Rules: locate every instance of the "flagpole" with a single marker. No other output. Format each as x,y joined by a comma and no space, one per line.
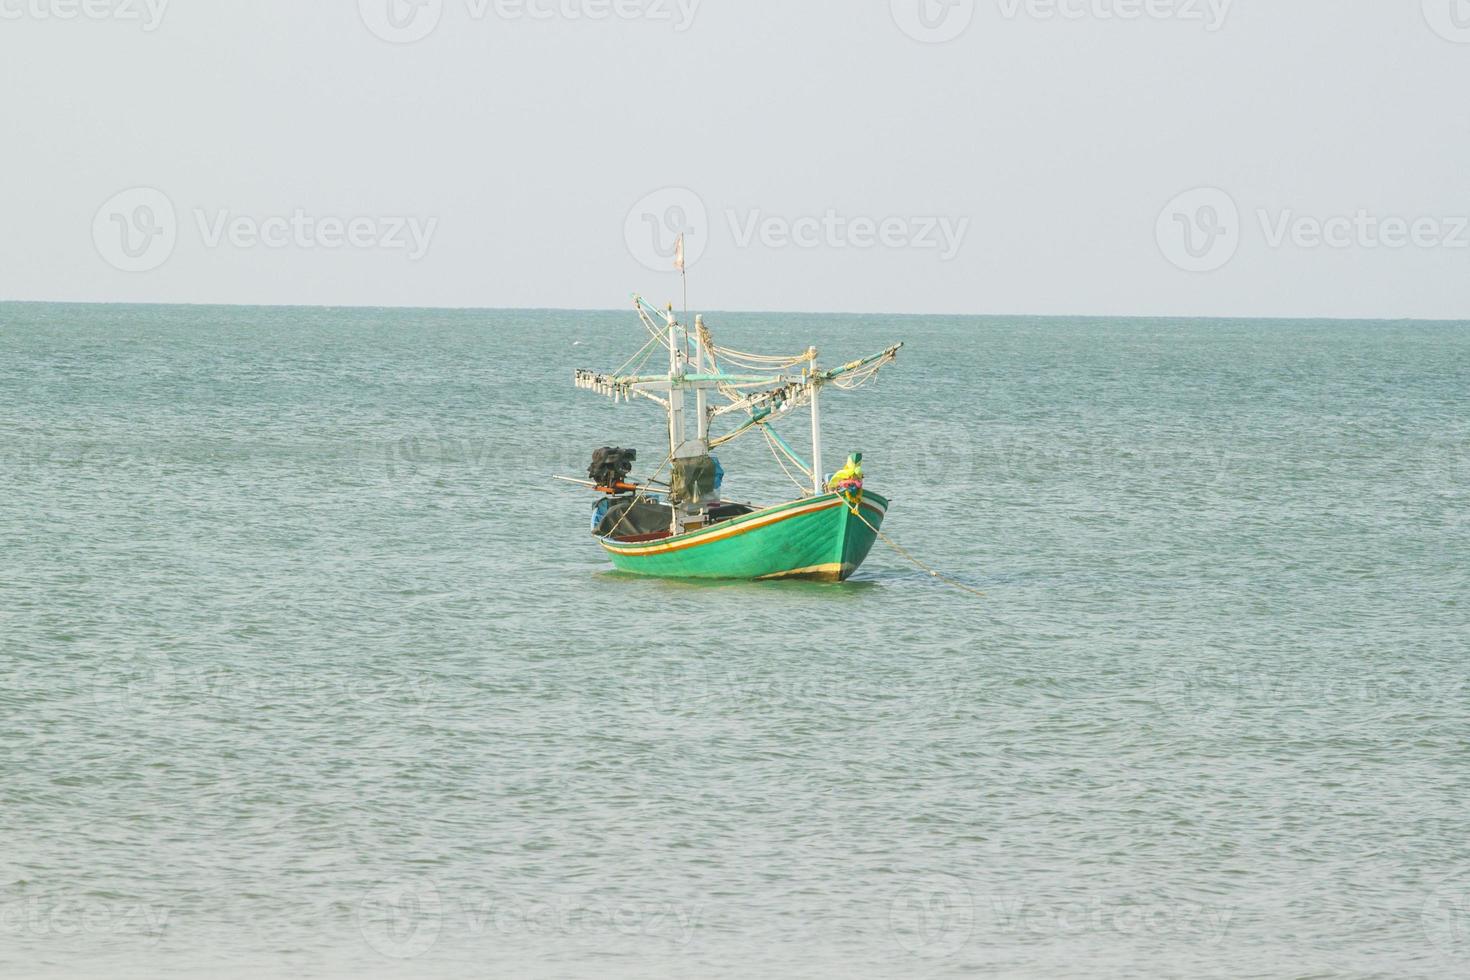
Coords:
683,273
684,279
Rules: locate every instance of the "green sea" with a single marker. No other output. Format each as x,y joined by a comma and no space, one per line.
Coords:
309,668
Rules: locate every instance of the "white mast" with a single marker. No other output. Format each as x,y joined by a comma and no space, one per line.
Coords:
676,391
817,477
678,361
784,390
701,397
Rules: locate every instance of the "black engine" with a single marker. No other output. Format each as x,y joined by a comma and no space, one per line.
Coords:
611,466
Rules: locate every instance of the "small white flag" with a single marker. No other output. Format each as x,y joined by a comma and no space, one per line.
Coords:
679,254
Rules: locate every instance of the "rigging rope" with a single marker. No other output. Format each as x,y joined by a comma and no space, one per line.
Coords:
744,359
760,361
781,462
645,352
858,377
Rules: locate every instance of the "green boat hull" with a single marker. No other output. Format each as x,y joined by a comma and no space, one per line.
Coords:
816,538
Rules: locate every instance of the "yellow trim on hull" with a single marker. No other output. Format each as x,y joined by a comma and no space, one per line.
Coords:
720,532
830,572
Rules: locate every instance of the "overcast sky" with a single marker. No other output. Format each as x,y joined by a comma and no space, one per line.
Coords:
1210,157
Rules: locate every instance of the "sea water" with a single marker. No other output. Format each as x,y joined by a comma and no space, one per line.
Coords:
308,667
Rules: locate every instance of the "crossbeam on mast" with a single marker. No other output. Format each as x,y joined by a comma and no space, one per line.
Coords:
609,383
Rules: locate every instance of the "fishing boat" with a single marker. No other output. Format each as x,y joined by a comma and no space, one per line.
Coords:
681,527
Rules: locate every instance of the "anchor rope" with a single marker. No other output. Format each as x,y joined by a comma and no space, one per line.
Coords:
898,548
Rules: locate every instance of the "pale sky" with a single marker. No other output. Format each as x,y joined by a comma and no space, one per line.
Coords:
1151,157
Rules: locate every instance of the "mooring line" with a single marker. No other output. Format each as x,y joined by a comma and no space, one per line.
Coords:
898,548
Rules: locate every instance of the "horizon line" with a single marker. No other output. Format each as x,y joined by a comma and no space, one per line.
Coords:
853,313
